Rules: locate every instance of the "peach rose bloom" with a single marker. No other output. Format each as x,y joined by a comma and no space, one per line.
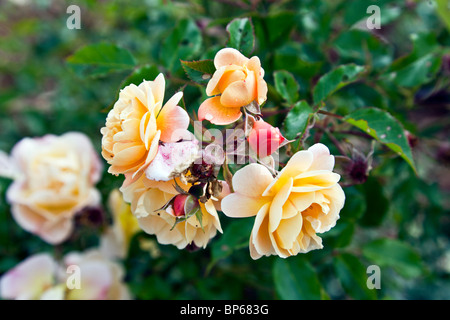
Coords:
100,278
30,279
237,82
302,200
136,124
147,197
55,178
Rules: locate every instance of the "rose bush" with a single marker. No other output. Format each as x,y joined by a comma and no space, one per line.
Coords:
260,150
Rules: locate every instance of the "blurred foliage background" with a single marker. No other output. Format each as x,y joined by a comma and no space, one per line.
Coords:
393,217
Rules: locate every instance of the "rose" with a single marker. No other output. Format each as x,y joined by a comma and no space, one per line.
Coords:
100,278
302,200
148,197
30,279
265,139
136,124
237,82
54,179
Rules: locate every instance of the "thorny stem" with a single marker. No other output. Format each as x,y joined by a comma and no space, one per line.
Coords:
274,111
357,133
335,142
330,114
227,174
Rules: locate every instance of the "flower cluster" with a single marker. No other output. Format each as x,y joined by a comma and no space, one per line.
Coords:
176,183
53,185
80,276
172,182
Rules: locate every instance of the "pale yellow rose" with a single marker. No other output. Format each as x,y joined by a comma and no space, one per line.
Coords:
237,82
115,241
304,199
54,179
81,276
136,124
100,278
30,279
147,197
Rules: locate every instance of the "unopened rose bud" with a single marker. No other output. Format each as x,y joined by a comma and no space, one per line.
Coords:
178,205
265,139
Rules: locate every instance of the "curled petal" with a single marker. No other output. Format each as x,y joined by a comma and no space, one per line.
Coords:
212,110
229,56
322,158
223,77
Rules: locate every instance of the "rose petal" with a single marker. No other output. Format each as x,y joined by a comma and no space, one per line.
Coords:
29,279
212,110
222,77
238,94
158,87
299,163
244,180
322,158
237,205
260,235
173,124
276,207
55,233
288,231
227,56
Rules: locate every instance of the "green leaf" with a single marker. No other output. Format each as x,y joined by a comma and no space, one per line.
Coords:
100,59
341,235
242,35
363,47
146,72
199,71
334,80
419,66
274,28
235,237
443,11
355,207
286,85
353,277
396,254
296,279
417,73
299,59
385,128
297,120
183,43
377,205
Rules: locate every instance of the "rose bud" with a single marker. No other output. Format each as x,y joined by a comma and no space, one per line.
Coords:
178,205
184,205
265,139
